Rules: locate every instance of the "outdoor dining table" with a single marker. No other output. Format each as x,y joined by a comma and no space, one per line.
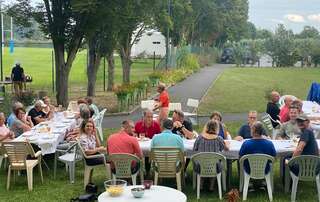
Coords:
283,148
312,110
48,139
154,194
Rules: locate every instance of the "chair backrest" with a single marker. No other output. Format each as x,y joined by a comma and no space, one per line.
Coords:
308,166
73,106
174,106
266,120
257,164
147,104
166,160
17,153
209,163
123,163
193,103
75,150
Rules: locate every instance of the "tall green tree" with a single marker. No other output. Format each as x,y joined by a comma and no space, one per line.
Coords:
65,27
308,32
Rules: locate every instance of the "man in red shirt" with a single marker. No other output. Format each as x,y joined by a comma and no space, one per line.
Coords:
123,141
147,127
163,104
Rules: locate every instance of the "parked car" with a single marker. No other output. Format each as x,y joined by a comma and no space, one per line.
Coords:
227,56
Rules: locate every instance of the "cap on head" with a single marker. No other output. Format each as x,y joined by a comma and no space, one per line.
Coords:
302,117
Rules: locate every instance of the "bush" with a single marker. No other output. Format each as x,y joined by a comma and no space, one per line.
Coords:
5,106
27,98
124,90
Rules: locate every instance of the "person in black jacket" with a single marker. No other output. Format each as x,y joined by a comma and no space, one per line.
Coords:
273,109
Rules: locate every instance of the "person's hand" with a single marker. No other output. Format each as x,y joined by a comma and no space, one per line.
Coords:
227,143
11,135
29,118
101,149
238,138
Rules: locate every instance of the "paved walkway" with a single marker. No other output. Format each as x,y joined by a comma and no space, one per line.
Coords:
195,86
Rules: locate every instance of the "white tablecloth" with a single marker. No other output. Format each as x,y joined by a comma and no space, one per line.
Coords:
282,147
49,141
155,194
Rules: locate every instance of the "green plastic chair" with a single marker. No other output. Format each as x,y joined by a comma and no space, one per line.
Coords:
168,162
208,162
123,163
257,164
307,172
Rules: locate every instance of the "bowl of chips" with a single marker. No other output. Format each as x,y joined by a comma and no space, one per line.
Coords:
115,187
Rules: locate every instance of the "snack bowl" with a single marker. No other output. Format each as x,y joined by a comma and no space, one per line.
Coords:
137,192
115,187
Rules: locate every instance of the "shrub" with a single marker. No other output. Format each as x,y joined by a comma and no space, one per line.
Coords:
5,106
27,98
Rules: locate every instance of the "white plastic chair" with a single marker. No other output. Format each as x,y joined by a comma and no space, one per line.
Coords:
257,164
88,169
174,106
147,104
208,162
98,120
17,154
69,157
194,103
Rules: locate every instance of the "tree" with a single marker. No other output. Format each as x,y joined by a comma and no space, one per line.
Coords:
64,26
135,17
251,32
308,32
263,34
281,47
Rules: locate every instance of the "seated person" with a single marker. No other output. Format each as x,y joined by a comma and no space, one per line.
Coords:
124,142
21,123
273,108
167,138
12,116
93,108
147,127
49,108
284,111
209,141
84,114
257,145
307,144
36,113
5,133
223,132
298,104
181,126
290,129
90,143
245,130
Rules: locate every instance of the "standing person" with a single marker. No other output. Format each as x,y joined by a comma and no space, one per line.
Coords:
17,78
163,104
147,127
273,109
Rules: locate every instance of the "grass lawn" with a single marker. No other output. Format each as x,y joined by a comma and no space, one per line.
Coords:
60,189
37,63
242,89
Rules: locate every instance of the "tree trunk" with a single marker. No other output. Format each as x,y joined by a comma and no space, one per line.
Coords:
125,53
62,75
93,66
110,59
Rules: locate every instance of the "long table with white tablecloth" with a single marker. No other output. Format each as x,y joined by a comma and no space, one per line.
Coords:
49,134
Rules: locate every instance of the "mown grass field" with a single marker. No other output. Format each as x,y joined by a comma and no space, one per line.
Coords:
37,62
242,89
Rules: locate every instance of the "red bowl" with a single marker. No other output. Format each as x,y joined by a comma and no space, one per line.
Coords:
147,184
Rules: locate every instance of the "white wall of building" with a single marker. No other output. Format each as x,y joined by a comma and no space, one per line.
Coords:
150,43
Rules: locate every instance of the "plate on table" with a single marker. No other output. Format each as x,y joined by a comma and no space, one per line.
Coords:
27,134
47,137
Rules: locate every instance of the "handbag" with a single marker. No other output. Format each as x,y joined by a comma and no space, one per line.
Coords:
85,198
91,188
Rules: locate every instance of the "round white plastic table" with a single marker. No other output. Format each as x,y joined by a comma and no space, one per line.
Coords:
155,194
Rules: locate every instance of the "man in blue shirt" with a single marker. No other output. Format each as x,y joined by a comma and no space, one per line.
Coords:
167,138
245,130
257,145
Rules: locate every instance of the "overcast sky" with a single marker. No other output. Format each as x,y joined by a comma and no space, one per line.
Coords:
294,14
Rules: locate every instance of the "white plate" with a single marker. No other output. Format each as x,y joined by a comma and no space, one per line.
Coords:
27,134
47,137
60,126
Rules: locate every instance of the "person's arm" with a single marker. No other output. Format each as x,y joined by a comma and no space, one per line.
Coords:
23,125
136,148
299,148
226,132
226,145
187,133
240,134
281,133
39,119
